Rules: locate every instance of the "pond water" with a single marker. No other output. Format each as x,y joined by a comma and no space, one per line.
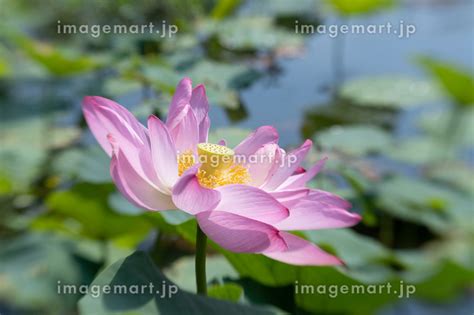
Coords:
305,82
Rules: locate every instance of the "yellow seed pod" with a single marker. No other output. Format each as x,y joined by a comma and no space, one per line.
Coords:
214,157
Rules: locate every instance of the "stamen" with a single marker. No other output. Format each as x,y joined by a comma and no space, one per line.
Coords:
185,161
217,166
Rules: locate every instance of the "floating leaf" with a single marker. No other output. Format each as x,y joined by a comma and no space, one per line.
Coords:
138,270
354,249
182,271
31,266
252,33
86,211
120,86
427,203
354,140
222,81
436,124
418,150
390,92
458,175
89,165
25,144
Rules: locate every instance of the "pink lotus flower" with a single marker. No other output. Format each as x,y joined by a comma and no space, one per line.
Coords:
243,206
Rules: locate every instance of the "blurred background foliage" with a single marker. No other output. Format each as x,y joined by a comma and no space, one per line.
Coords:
395,116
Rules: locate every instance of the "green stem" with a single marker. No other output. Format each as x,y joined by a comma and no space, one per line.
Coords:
201,282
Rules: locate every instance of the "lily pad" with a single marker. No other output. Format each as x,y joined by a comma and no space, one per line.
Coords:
390,91
426,203
252,33
137,270
458,175
88,165
222,81
354,140
182,271
419,150
461,133
32,266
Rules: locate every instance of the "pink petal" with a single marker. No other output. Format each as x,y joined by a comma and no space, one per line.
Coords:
222,142
261,136
199,102
204,130
289,182
288,166
289,198
196,98
135,188
251,202
200,106
313,215
263,163
185,131
300,180
163,152
190,196
240,234
107,117
302,252
328,198
181,98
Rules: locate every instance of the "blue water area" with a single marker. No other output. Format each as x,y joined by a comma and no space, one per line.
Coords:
444,30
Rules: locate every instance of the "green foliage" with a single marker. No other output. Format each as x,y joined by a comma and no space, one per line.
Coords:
26,142
457,83
32,265
355,7
137,270
83,164
224,8
57,62
229,292
4,68
98,221
429,204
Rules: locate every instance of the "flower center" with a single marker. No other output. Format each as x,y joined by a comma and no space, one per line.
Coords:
214,157
217,166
